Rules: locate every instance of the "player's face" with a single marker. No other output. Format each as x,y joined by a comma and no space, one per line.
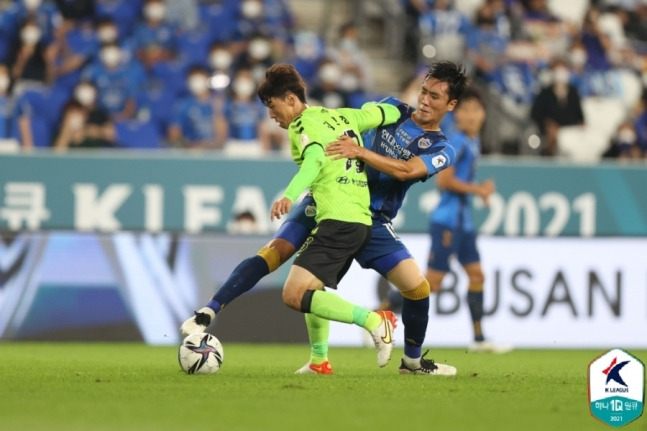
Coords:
433,103
281,110
470,116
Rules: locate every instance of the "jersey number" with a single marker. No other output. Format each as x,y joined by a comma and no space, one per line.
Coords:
359,165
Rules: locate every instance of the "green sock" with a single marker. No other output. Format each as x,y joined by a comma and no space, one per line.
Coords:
318,331
333,307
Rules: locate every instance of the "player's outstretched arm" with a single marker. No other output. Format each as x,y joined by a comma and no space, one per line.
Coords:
447,180
401,170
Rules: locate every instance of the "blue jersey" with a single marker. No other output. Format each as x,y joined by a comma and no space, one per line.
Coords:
195,118
454,211
402,140
7,117
116,86
243,118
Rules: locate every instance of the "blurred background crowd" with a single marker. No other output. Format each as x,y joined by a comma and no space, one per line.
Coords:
562,78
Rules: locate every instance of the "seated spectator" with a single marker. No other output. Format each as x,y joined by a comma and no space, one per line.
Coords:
309,50
244,114
640,124
118,81
596,42
445,28
74,48
558,104
485,46
257,56
624,144
84,123
197,120
354,62
31,61
182,14
154,40
326,91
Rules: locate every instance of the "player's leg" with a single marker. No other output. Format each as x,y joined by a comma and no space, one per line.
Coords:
323,260
470,259
250,271
442,247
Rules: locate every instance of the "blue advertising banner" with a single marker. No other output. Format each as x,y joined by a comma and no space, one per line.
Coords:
200,192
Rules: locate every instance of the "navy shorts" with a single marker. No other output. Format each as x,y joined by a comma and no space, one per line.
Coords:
446,242
385,249
300,222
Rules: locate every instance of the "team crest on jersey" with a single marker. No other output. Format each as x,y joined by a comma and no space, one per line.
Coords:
439,161
424,143
305,140
311,211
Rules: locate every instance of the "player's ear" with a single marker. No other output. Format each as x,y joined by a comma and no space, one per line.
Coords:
451,105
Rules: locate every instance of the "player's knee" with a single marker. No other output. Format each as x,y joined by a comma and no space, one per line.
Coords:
434,282
421,291
271,256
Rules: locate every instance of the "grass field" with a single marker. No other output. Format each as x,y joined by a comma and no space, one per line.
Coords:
136,387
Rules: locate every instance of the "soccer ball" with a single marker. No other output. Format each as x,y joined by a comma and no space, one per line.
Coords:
200,353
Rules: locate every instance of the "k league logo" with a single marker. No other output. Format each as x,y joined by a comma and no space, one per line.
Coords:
616,388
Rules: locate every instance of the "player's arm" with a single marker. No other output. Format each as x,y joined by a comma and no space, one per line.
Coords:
447,180
313,158
372,115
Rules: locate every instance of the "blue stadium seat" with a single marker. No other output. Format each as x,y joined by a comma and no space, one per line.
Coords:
137,134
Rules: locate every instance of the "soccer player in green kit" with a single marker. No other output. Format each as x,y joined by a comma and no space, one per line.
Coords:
340,189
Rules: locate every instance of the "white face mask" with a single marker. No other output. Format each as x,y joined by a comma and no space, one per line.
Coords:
32,4
330,73
220,59
251,9
197,84
85,94
243,87
30,35
110,56
259,49
561,75
4,82
155,11
348,44
349,82
108,34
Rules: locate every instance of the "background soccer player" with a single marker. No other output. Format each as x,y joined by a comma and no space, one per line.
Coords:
452,229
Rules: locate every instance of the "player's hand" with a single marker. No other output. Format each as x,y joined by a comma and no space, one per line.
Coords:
486,189
344,148
279,208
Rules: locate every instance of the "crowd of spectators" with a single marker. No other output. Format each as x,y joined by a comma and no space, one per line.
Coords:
160,73
562,77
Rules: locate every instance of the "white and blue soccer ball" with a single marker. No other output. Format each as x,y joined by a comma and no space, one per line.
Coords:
200,353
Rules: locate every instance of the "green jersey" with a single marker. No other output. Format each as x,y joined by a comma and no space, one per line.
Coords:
340,188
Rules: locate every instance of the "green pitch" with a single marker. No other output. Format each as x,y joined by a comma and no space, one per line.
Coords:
94,387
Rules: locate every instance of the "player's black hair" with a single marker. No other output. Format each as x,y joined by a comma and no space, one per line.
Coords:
452,73
281,79
471,93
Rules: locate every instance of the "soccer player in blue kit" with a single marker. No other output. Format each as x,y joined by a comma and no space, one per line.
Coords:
410,150
452,229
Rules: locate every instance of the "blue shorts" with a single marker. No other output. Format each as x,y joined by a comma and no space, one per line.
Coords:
385,249
383,252
445,242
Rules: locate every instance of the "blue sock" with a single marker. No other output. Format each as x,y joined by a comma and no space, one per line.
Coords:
415,316
475,303
242,278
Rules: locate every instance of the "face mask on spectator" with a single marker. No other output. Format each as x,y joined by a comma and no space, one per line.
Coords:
561,75
85,94
243,87
30,34
197,84
348,44
259,49
108,34
349,82
4,82
110,56
330,73
32,4
220,59
251,9
154,11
